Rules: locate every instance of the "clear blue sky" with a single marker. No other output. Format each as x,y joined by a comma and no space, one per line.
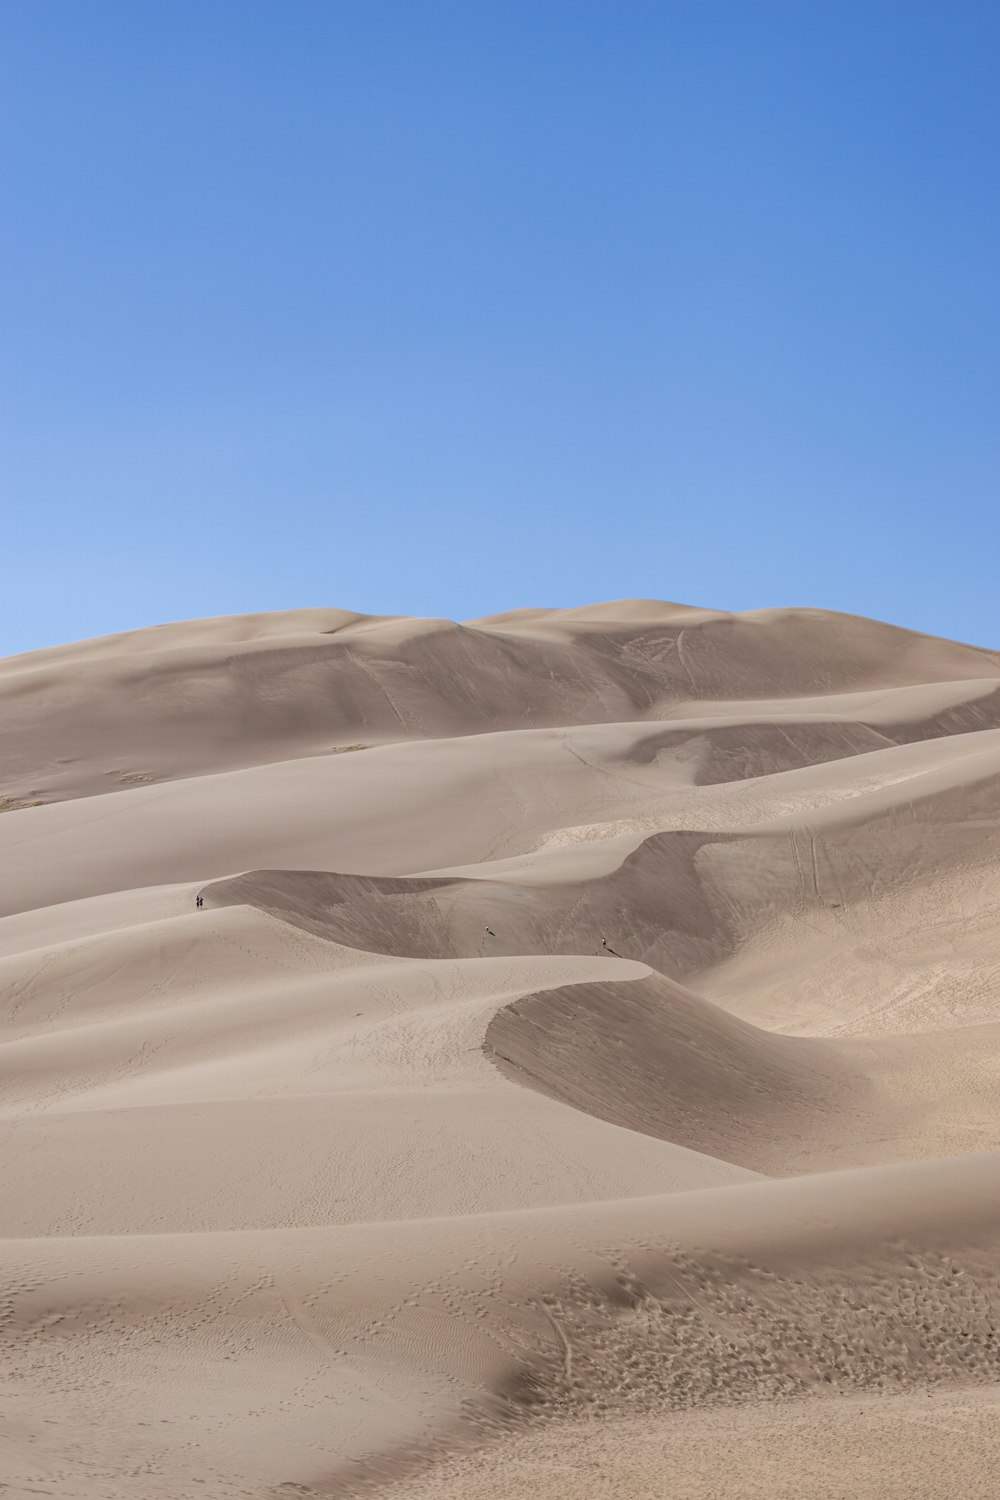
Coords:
448,306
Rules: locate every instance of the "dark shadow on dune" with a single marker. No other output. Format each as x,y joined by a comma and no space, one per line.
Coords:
654,908
679,902
651,1056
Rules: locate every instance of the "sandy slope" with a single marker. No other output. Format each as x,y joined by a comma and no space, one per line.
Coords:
582,1076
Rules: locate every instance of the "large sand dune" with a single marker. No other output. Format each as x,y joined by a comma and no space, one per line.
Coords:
582,1077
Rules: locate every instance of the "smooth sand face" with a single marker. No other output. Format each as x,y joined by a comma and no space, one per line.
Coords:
581,1078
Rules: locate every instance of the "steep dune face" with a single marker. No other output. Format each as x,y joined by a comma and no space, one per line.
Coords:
432,1053
654,1057
682,900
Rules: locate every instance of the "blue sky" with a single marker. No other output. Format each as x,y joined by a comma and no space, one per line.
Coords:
445,308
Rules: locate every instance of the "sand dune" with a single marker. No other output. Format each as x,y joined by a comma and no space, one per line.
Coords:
580,1077
206,695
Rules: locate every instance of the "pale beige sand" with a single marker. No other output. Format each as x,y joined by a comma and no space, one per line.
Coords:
583,1079
895,1448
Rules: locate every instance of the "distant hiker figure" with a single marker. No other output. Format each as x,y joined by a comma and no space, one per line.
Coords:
491,932
608,948
198,901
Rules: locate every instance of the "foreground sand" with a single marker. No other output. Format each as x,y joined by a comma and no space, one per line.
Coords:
583,1077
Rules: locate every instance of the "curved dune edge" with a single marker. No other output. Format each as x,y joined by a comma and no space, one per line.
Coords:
822,1287
679,900
649,1055
654,1057
877,1281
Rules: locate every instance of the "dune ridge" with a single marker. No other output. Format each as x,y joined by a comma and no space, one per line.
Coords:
556,1050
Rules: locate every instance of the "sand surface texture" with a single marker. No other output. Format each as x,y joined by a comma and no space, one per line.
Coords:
581,1080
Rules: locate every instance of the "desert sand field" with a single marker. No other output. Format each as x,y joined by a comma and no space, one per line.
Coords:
556,1055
